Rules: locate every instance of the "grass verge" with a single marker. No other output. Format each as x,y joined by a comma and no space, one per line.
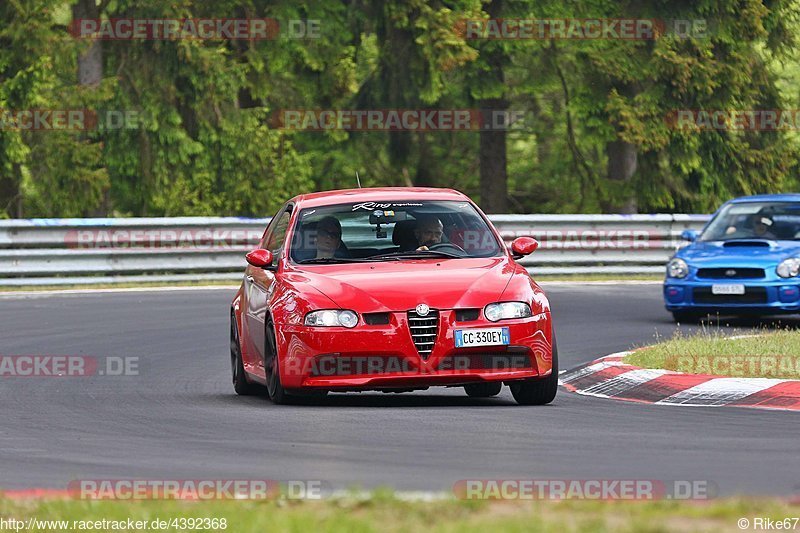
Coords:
769,354
383,512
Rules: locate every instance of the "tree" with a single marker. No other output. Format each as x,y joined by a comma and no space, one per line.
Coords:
597,134
628,89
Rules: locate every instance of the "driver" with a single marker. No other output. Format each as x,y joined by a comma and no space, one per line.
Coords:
758,226
329,238
429,231
762,227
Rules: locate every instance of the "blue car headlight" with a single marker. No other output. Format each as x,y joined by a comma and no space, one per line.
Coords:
789,268
504,310
332,317
677,268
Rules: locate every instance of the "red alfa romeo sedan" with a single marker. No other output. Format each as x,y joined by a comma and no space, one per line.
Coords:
394,290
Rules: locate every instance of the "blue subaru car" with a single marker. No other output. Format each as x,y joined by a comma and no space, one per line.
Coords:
746,261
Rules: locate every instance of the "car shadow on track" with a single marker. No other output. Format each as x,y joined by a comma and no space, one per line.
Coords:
406,400
371,399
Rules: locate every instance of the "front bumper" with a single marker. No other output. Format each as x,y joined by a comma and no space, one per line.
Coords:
761,297
370,357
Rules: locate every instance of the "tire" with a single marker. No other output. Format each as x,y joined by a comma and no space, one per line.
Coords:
239,378
483,390
275,389
538,391
685,317
277,394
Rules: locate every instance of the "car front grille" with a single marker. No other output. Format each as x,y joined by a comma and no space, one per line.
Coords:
731,273
338,365
376,319
752,295
424,330
467,315
482,361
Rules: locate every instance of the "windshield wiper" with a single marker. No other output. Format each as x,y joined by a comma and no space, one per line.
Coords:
417,253
331,260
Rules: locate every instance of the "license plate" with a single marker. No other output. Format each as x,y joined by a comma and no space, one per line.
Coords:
728,289
482,337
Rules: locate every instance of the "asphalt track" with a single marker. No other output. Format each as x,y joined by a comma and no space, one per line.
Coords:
179,418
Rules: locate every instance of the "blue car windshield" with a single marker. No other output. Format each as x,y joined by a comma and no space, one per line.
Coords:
779,221
372,231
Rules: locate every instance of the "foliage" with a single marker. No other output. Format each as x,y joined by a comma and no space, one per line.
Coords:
203,140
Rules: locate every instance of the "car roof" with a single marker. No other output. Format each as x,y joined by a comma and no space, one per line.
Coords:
790,197
377,194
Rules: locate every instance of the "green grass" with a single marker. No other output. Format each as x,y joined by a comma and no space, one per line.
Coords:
385,513
768,354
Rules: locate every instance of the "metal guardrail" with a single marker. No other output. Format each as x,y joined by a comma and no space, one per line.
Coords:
118,250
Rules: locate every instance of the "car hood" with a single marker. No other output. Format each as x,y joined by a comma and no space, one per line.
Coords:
738,253
402,285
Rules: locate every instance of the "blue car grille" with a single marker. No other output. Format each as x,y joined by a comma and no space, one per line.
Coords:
731,273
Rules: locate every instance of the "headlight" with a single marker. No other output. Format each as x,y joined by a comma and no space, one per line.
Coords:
504,310
789,268
332,317
677,268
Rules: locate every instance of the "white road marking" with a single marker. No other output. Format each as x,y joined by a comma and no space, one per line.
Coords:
720,391
589,370
624,382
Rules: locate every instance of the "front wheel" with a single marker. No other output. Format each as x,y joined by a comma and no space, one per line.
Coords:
538,391
275,389
483,390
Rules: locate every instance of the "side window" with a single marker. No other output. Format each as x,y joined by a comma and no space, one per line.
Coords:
278,235
270,228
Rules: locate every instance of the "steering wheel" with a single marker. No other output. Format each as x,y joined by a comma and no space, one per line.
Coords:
445,246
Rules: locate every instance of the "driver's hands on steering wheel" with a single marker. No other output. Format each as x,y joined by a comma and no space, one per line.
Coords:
442,245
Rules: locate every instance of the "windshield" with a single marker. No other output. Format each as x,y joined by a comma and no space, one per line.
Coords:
370,231
756,220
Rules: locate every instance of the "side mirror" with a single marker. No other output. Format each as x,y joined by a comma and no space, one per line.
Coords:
689,235
522,246
260,258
